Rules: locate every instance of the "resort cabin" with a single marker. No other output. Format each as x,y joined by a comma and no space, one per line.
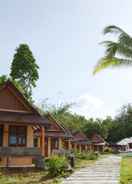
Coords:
81,143
125,145
17,121
98,143
57,138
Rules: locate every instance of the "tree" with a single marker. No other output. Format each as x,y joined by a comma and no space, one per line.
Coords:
92,127
121,126
117,53
3,79
24,69
97,126
62,113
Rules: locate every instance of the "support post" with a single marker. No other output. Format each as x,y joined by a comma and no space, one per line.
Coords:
86,148
49,146
29,136
5,135
60,143
43,141
80,148
69,145
5,140
91,147
75,147
39,145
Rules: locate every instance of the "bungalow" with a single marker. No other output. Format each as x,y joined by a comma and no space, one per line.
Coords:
125,145
80,142
57,137
98,143
17,119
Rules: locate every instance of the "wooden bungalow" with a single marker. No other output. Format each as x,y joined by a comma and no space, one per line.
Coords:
17,121
124,145
98,143
57,137
81,143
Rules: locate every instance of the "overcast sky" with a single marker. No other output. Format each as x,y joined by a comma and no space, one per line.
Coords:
64,37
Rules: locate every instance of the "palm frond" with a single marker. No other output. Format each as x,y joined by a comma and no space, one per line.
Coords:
111,62
124,51
114,48
125,39
113,29
123,36
117,48
123,62
111,48
105,62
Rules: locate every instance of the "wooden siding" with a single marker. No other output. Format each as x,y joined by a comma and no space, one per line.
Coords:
8,101
16,161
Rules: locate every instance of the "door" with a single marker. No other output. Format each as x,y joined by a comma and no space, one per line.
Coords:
46,146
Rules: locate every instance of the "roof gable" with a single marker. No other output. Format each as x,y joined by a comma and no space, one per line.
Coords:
11,99
96,138
80,136
54,125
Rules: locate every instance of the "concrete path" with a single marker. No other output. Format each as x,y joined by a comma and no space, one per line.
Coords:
104,171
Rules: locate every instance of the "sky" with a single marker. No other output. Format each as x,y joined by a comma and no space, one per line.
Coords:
64,36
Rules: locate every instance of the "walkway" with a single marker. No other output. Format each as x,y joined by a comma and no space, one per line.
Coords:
104,171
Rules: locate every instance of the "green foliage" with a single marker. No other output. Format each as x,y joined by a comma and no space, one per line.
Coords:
24,69
71,121
93,126
112,130
87,156
126,171
122,125
3,79
57,165
62,113
117,53
108,150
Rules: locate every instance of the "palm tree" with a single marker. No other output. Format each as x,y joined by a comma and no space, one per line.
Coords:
117,53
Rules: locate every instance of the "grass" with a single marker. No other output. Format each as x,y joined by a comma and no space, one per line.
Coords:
84,162
126,171
38,177
80,163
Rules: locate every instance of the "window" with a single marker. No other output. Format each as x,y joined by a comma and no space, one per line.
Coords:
35,142
55,143
17,135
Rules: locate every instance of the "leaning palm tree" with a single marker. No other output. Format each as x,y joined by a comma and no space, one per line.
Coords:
117,53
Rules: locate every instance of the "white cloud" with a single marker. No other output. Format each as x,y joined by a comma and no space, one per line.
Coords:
87,101
90,106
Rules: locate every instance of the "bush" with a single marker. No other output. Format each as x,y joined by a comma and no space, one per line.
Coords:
57,165
87,156
108,150
115,151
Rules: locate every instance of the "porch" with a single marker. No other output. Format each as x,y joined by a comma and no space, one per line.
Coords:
55,144
17,147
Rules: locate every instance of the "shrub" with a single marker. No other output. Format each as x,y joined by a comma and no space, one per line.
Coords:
87,156
57,165
108,150
93,155
115,151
